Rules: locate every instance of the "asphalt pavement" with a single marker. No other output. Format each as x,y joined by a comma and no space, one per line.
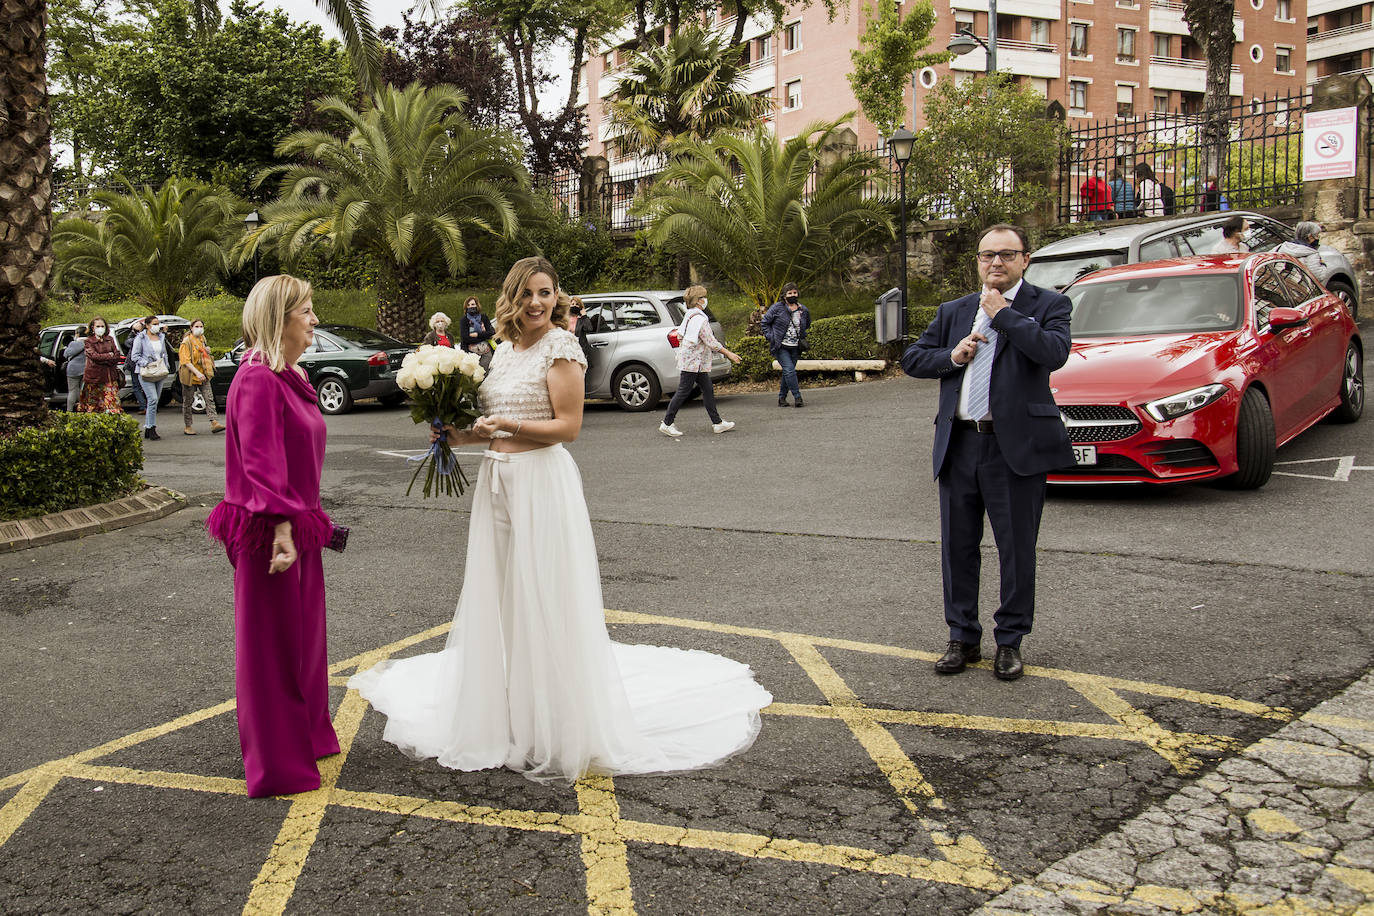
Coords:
1176,629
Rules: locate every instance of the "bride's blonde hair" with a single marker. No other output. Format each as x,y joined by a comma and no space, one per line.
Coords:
508,320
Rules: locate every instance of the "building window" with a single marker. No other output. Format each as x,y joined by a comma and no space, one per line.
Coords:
765,49
793,95
1283,60
1078,39
1161,103
1040,31
791,36
1125,45
1283,9
1125,101
1078,97
1161,45
1041,86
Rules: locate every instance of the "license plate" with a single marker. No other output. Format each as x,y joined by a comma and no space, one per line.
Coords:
1085,454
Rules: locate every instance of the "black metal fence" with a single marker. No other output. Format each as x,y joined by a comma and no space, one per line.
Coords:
1262,166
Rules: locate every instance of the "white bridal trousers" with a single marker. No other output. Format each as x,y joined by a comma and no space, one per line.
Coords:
529,678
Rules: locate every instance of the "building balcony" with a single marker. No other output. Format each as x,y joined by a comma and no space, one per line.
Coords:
605,85
1322,7
1166,16
1187,75
1340,42
761,77
1023,58
1037,9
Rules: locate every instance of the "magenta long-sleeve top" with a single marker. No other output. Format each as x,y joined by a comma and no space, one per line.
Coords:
273,459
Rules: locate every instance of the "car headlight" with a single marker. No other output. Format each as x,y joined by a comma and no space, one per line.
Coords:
1185,402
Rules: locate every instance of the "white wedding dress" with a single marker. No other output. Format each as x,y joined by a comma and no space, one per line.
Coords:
529,678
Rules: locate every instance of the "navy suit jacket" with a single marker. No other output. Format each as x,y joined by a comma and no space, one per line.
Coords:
1032,341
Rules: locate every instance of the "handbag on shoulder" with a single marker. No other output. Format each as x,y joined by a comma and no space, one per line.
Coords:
155,371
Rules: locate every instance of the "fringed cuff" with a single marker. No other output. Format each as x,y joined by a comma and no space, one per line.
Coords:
240,530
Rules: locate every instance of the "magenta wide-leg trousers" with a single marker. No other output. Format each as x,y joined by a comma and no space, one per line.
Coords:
281,673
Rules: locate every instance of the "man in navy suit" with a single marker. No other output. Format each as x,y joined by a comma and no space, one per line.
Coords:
998,433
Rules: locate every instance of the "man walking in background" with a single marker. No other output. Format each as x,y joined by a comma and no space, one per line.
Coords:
998,434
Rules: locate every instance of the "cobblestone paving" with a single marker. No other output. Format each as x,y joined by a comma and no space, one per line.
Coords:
1286,827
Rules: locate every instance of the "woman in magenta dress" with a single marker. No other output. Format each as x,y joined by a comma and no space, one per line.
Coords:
274,530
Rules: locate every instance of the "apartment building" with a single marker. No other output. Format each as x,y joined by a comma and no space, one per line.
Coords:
1340,38
1100,59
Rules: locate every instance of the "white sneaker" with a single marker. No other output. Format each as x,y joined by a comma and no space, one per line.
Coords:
724,426
670,430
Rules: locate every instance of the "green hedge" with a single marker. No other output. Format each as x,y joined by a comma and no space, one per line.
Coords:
841,337
75,460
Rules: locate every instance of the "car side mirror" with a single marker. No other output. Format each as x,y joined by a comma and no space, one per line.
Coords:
1281,319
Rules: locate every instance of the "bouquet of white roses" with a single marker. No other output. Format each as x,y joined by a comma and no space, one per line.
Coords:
442,384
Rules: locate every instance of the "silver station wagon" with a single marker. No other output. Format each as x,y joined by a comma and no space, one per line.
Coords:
630,358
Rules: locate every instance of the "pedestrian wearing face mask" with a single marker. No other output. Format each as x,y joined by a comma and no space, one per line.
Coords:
75,357
694,352
196,369
477,331
135,332
149,357
784,325
438,335
101,378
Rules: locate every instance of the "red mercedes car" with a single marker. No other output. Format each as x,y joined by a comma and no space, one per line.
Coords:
1199,368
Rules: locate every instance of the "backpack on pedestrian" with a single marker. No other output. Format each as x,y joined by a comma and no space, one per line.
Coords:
1166,197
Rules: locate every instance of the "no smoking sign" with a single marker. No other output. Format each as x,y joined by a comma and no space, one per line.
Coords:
1328,144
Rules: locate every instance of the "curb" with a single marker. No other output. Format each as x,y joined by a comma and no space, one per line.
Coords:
144,506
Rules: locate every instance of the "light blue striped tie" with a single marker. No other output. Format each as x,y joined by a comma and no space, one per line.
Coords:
980,370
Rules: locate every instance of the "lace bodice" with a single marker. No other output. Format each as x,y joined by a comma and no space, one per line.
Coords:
517,385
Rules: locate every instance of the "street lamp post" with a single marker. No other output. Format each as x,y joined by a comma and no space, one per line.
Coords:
965,41
251,222
900,143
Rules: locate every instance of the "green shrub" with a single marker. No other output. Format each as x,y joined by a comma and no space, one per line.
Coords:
639,266
755,361
74,460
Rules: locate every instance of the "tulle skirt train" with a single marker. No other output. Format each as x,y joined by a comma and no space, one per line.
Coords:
529,678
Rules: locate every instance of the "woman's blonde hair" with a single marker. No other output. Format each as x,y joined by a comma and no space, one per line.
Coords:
509,325
438,317
693,295
264,316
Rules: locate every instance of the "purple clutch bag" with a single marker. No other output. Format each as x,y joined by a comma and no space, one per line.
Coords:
338,538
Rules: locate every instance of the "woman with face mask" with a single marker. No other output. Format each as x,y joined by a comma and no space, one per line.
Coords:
784,325
438,335
196,369
149,356
477,331
75,357
102,375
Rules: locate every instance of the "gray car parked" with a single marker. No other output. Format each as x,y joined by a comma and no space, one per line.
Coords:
1059,263
629,356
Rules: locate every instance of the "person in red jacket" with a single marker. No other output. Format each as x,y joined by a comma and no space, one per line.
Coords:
1095,197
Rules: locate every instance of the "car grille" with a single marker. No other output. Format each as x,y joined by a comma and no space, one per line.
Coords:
1118,465
1183,454
1099,422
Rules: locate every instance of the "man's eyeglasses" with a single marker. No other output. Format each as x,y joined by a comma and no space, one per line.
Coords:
1005,256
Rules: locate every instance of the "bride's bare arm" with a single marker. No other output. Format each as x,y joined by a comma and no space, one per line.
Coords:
566,393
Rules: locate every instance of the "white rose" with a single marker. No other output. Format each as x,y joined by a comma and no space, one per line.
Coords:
410,360
471,363
424,378
406,378
448,360
430,359
478,374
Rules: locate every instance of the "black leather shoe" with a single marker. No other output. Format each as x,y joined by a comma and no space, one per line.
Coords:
782,402
1007,664
957,655
799,403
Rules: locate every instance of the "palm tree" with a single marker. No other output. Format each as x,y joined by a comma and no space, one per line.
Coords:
156,246
26,184
762,212
688,89
410,182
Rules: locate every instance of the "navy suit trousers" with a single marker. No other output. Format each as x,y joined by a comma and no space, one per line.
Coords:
975,480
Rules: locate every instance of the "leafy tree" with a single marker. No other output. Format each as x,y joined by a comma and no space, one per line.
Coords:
690,88
460,50
526,30
1212,26
412,179
156,246
649,15
889,52
762,213
166,101
986,153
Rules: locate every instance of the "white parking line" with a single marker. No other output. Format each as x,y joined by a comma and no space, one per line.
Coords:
1345,464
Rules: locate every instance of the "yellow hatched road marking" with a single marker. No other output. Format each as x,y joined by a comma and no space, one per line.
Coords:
28,798
604,852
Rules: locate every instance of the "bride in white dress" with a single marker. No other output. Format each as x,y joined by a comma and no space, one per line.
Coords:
529,678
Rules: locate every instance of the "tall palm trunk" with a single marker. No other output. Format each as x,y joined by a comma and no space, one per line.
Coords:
401,302
25,208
